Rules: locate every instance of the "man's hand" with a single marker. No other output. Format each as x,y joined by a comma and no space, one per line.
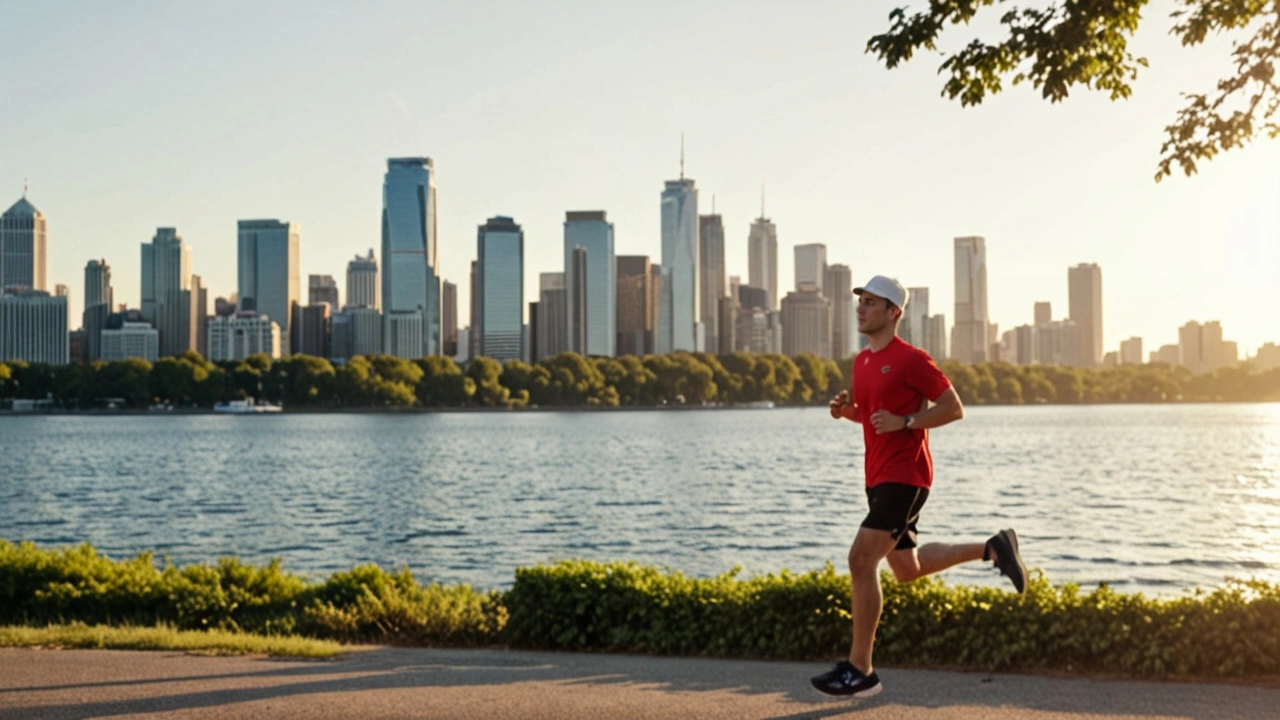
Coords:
838,403
884,421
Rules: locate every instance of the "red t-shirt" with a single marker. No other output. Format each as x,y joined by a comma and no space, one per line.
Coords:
899,378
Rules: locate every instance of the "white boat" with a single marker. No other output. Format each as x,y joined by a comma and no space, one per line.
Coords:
245,406
760,405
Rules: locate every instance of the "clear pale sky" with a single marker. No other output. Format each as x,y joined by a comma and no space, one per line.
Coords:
128,115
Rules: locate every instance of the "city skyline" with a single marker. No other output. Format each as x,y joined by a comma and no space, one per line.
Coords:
884,190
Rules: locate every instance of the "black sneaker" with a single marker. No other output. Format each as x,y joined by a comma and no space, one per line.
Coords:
845,679
1007,558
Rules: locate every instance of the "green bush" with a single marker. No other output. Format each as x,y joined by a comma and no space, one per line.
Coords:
1233,631
39,587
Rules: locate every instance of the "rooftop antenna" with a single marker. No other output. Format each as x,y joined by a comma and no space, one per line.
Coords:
682,156
713,204
24,188
761,199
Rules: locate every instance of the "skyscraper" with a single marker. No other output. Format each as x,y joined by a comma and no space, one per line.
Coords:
362,282
969,334
553,314
166,292
635,305
500,249
410,289
1084,290
322,289
711,278
98,300
594,234
23,247
449,318
762,257
267,271
837,285
811,264
678,307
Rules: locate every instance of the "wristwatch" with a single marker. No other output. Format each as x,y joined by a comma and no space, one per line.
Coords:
906,423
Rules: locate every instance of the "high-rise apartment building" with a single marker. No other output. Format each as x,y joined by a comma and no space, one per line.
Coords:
591,232
410,285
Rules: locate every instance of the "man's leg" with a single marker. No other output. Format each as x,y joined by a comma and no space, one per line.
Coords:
914,563
869,548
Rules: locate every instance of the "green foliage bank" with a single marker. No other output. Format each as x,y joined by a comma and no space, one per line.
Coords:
1230,632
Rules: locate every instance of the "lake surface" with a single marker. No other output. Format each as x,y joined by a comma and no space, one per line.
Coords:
1158,499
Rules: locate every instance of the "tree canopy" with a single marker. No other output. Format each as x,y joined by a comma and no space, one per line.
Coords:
1085,43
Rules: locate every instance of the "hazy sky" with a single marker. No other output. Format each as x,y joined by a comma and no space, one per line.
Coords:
127,116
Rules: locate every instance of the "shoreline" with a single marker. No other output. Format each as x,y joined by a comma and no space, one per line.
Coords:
547,409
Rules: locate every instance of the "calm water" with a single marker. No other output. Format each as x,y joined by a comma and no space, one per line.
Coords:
1158,499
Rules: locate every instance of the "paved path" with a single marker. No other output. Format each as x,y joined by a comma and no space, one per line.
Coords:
468,684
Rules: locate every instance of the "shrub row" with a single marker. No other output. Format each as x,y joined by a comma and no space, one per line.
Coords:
1232,631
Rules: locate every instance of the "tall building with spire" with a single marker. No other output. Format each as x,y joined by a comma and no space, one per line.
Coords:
23,246
762,257
678,314
410,283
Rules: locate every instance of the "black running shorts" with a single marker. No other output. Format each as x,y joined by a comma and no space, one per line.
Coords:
896,508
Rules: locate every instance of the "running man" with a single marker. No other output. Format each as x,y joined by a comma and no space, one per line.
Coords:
893,386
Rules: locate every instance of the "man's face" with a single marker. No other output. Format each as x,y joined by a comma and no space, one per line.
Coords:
874,314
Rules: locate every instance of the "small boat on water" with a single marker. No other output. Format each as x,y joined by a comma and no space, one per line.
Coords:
245,407
760,405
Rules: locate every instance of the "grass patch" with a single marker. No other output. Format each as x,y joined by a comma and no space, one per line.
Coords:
79,636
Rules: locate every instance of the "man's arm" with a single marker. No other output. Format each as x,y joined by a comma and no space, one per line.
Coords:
946,409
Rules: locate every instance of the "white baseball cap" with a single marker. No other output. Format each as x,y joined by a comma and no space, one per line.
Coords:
884,287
